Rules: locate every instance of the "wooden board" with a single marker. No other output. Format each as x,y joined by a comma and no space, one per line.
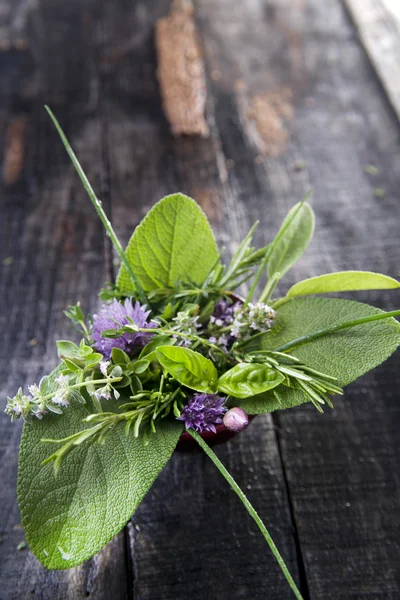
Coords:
293,103
55,244
378,24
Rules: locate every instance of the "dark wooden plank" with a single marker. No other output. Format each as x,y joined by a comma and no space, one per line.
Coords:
342,468
190,537
265,62
52,252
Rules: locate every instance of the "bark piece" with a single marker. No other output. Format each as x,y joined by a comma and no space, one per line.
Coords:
181,71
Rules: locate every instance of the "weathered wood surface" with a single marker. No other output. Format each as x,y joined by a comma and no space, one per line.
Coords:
293,103
378,24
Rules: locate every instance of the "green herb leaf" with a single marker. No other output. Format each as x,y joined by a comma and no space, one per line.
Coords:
280,398
140,366
67,349
68,518
119,357
248,379
93,359
149,351
345,354
292,239
188,367
343,281
166,245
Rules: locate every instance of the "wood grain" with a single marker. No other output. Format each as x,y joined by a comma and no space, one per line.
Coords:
327,486
57,253
378,27
189,538
341,468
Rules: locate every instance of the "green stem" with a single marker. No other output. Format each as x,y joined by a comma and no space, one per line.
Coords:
310,337
85,329
280,301
97,204
270,287
187,336
84,384
249,508
258,276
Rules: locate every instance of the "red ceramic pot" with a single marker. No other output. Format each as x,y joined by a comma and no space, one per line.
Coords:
187,444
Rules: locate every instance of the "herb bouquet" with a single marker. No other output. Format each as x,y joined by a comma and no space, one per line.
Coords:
174,348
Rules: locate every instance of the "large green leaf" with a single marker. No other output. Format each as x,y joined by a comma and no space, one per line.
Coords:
68,518
278,398
343,281
345,354
173,242
292,239
188,367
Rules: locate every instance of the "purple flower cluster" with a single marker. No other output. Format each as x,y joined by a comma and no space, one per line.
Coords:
224,312
114,315
203,412
223,316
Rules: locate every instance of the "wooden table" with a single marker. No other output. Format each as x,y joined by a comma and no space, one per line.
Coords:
293,103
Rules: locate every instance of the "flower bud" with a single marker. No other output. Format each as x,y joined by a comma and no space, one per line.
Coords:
236,419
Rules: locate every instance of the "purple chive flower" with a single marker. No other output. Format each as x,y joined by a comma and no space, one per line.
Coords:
114,315
203,412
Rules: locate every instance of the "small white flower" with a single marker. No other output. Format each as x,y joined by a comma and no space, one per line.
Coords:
103,367
103,393
62,381
60,400
40,414
223,340
34,389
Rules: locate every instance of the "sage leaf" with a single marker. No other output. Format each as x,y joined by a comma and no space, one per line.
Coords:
166,245
69,518
292,239
343,281
277,399
188,367
345,354
248,379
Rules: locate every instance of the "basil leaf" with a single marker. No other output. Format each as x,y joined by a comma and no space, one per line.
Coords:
292,239
68,518
166,245
345,354
248,379
188,367
149,351
343,281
